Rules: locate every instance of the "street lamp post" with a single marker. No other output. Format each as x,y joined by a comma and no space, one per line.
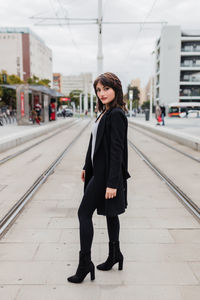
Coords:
151,86
80,102
131,101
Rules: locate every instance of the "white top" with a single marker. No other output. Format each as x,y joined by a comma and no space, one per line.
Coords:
94,135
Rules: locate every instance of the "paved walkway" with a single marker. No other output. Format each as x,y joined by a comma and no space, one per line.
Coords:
13,135
160,241
13,130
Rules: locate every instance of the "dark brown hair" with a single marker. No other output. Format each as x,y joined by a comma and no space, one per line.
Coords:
110,80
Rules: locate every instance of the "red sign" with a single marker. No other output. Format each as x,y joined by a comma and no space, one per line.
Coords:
22,104
65,99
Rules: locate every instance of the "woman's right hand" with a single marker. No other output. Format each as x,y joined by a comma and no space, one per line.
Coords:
83,175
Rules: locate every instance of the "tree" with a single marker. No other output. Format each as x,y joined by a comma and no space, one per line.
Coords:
37,81
145,105
13,79
7,95
136,95
75,96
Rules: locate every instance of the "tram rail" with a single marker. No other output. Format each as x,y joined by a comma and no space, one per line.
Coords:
165,144
12,214
9,157
187,201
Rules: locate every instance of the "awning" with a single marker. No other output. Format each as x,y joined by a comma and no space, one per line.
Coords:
36,88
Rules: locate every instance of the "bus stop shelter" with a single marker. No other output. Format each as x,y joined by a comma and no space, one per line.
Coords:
27,96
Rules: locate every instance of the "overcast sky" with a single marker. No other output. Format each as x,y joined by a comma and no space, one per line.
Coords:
126,48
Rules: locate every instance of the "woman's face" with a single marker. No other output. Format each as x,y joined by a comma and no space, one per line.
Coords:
105,93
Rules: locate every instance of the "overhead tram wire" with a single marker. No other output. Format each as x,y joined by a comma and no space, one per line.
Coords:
141,28
65,17
91,21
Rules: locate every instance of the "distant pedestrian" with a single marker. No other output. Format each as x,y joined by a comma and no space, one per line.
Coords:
186,112
96,110
8,114
1,118
49,112
105,175
35,117
163,114
38,109
158,114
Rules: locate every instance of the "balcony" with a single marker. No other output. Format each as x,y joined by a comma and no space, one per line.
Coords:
189,82
190,64
190,92
189,98
190,49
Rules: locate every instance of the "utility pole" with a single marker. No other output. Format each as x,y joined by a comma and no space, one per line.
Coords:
151,91
151,86
91,99
100,51
80,103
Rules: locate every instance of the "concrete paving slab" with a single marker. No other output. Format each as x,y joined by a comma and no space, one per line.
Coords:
174,222
27,222
190,292
9,292
15,252
195,266
150,273
24,272
191,235
32,236
161,252
59,292
139,292
64,223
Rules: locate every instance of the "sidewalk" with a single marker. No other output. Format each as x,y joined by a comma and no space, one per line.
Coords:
13,135
183,131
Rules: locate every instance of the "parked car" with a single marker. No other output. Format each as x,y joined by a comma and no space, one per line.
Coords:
68,112
59,112
191,114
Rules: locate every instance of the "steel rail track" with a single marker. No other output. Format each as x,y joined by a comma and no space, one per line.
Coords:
193,208
9,157
8,219
161,142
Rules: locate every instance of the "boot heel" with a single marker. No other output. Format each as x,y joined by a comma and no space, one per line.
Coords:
92,274
120,267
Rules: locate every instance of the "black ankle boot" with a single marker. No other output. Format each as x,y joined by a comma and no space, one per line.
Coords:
85,266
115,256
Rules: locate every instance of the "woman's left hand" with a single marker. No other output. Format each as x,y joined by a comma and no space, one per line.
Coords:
110,193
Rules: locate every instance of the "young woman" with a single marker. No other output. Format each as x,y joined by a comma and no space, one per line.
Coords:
104,175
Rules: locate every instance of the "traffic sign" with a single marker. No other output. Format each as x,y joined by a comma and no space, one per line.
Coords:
65,99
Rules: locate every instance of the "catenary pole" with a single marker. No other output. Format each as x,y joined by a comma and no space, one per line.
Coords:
100,51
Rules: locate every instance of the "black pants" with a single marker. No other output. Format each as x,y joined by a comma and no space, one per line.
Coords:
87,207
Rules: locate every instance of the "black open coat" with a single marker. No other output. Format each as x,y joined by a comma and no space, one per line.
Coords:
110,161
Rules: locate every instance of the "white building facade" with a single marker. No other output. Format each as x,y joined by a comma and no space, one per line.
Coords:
24,54
177,66
80,82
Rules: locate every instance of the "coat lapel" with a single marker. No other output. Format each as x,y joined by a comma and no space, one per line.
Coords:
100,132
